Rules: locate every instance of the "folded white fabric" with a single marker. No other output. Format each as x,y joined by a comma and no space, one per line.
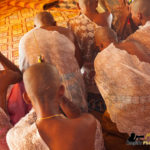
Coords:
124,82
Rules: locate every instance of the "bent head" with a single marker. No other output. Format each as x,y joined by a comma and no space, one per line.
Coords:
44,19
43,84
140,11
88,5
105,36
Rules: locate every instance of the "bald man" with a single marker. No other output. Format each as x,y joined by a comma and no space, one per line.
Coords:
105,36
122,75
141,17
108,75
59,132
51,126
52,44
45,20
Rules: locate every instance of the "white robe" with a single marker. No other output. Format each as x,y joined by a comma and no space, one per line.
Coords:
25,136
58,50
124,82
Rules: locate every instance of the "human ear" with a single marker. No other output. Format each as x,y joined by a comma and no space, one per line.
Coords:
26,98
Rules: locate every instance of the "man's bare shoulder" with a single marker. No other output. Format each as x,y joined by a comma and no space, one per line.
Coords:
88,118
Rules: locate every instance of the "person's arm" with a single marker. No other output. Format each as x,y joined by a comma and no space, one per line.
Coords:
69,108
7,64
7,77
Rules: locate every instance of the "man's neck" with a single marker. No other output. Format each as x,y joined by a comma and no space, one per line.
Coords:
47,109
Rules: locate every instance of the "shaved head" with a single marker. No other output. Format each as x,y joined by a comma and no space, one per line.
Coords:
140,8
44,19
42,81
104,36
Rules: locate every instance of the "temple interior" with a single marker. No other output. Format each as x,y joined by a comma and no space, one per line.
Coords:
108,71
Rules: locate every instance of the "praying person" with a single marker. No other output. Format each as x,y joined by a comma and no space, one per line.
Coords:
122,75
54,45
104,36
52,128
112,136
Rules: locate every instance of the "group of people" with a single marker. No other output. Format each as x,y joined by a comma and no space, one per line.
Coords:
45,103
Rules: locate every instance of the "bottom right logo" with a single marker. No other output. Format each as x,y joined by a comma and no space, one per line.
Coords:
139,139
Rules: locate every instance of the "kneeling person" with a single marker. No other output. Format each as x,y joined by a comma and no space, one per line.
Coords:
59,132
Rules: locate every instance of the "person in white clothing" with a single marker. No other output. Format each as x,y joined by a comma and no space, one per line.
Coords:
122,75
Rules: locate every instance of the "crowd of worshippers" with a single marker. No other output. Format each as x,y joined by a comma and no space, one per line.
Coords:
78,88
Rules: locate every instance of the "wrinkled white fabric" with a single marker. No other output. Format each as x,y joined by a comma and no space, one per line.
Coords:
124,82
142,36
58,50
25,136
147,24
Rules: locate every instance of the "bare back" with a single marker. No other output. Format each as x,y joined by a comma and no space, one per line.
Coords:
69,134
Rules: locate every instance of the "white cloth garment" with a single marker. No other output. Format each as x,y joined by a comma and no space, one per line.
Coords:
124,82
25,136
58,50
